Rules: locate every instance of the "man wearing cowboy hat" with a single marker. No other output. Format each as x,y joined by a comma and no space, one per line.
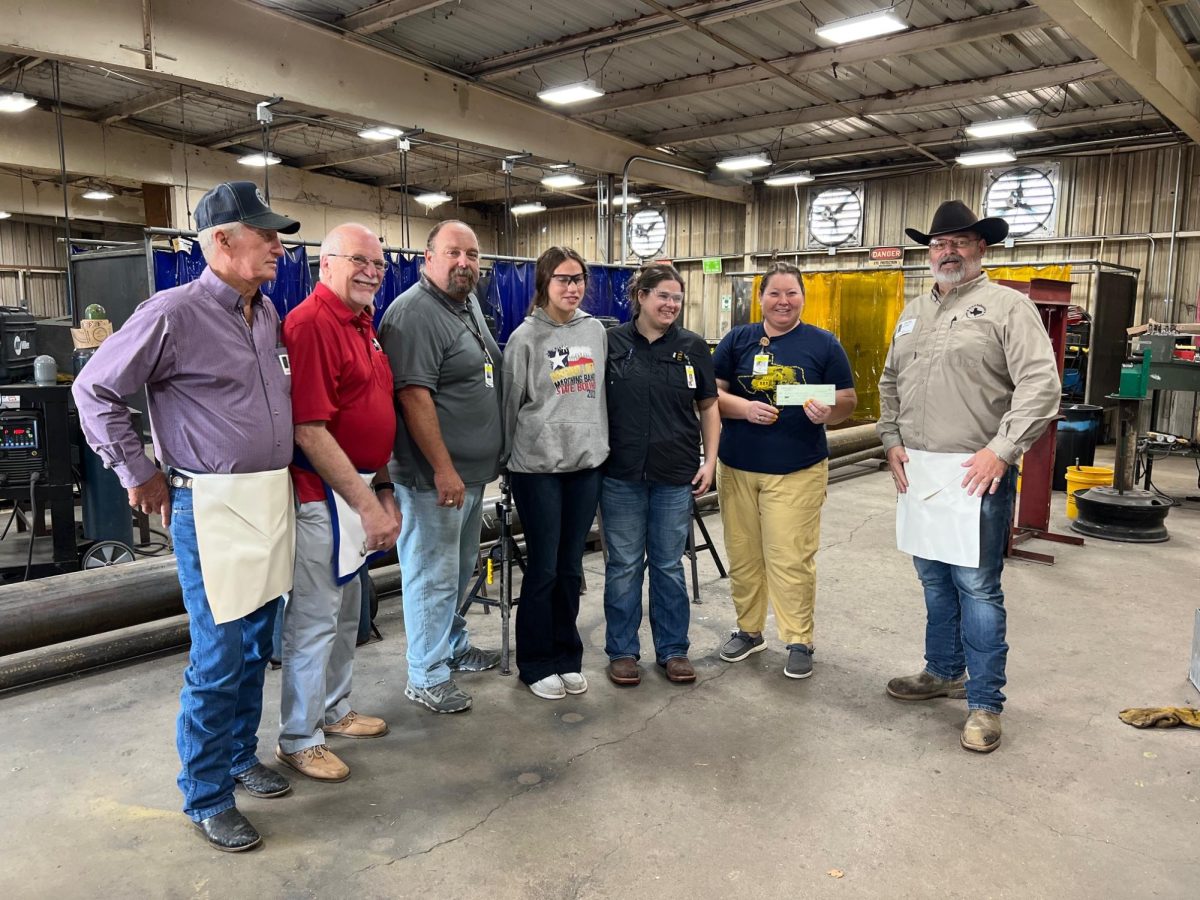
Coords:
970,371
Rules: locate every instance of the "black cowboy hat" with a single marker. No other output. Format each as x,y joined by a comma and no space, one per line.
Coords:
954,216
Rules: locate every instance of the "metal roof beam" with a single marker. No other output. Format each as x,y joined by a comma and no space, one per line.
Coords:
234,136
341,157
134,105
1135,40
905,42
903,101
16,66
617,35
1099,115
382,15
219,45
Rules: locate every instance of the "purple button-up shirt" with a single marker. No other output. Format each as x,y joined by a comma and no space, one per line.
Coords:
219,391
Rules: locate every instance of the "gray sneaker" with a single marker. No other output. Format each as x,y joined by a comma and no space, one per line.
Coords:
799,663
924,686
475,659
741,645
446,697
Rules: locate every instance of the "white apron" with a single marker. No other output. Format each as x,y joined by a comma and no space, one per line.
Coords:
937,519
246,539
349,536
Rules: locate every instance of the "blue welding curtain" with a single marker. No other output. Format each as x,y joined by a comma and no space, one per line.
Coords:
511,291
401,274
291,285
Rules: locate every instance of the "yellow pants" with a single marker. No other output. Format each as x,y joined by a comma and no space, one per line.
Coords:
772,531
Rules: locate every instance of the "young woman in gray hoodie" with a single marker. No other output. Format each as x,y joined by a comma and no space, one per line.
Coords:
556,421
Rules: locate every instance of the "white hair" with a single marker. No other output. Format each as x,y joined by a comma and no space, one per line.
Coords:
208,238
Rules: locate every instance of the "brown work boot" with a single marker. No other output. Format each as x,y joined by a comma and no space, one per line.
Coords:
924,686
679,669
624,671
356,725
319,763
982,731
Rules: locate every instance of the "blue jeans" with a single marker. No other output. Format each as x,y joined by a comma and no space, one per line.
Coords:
438,550
965,625
557,511
645,522
221,702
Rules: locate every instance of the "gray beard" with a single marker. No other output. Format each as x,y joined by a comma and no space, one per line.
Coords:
952,278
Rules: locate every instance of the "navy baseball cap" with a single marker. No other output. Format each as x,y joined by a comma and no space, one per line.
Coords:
240,201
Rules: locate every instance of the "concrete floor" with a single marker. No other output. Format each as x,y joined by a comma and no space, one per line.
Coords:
744,784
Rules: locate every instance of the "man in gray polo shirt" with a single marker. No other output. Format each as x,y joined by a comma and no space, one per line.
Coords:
446,369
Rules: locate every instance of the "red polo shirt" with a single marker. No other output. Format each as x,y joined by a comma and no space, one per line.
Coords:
340,376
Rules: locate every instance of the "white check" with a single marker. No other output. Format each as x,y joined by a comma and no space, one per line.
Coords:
799,394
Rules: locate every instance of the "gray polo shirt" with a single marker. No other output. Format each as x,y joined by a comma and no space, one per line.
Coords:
436,343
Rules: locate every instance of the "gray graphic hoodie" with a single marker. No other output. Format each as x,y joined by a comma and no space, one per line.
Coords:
555,416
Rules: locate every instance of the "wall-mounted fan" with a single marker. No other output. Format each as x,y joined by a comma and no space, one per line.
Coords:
1024,196
647,232
835,216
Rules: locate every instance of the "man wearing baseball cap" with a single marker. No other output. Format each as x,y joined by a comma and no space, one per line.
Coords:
970,372
218,394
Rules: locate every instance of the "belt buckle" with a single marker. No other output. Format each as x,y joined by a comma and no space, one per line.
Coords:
179,481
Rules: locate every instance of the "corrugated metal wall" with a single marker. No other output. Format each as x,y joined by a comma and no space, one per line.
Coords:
25,247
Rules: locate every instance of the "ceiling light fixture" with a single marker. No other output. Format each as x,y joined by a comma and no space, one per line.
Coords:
622,200
12,102
98,194
570,93
789,179
565,180
430,199
5,215
1001,127
260,160
744,163
380,133
857,28
986,158
524,209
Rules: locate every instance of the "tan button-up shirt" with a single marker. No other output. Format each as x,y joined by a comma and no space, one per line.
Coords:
967,369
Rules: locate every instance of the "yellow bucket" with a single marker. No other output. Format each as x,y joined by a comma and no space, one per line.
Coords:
1082,477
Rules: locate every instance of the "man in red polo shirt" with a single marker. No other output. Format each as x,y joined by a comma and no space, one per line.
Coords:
345,424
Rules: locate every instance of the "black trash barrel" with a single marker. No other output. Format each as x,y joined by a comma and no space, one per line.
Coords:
1076,439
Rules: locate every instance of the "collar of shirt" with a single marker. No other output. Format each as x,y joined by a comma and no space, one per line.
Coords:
225,294
665,336
455,306
339,307
959,290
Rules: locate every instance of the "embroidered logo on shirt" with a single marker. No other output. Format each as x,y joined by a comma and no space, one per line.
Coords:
572,370
974,312
766,382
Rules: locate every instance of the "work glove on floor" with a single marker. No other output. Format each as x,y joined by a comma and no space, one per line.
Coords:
1160,716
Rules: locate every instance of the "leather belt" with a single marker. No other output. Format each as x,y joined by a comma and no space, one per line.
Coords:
176,480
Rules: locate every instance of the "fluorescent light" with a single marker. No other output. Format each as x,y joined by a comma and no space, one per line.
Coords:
744,163
97,194
570,93
260,159
431,199
666,150
621,200
380,133
565,180
843,31
986,158
789,179
12,102
559,166
522,209
999,127
5,215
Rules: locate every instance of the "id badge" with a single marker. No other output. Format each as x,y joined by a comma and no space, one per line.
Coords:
489,377
691,376
761,361
285,364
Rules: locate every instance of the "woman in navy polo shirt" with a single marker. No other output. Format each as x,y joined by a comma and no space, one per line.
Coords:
659,377
774,465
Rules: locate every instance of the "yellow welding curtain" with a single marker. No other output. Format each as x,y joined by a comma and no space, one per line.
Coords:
1028,273
861,308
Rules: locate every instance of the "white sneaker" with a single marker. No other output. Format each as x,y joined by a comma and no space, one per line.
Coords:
549,688
573,682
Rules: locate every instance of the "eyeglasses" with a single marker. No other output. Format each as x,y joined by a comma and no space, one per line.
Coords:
361,261
665,297
958,243
568,280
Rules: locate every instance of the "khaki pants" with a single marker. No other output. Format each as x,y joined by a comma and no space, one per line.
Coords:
772,529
